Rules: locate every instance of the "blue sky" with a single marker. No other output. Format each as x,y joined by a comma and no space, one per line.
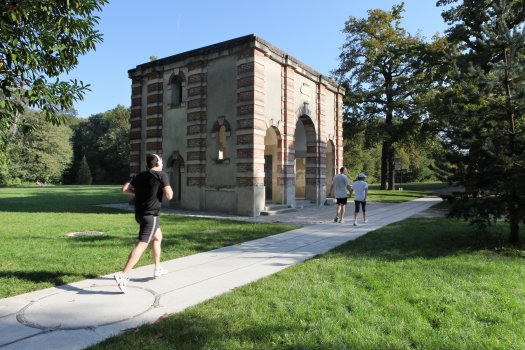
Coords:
309,30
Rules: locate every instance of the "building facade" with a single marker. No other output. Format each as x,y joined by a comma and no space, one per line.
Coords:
239,124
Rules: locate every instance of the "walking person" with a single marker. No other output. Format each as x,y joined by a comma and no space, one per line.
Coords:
341,183
148,188
360,189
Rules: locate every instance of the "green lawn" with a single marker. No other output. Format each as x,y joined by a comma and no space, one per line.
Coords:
418,284
36,252
410,191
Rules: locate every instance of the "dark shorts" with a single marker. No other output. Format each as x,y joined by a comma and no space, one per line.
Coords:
342,201
148,226
363,205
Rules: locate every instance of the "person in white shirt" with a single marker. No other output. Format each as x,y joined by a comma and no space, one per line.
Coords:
341,183
360,189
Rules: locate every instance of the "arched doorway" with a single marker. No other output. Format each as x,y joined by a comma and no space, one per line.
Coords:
305,160
176,170
271,165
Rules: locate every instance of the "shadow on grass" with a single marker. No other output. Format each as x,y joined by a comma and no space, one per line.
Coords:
427,238
56,278
194,331
60,199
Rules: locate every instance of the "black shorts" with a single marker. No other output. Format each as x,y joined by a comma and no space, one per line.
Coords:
148,226
342,201
363,205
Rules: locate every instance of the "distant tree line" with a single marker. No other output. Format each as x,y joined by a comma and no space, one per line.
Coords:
79,151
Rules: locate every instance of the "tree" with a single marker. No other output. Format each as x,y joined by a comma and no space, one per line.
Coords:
43,153
39,41
383,73
483,110
84,173
104,140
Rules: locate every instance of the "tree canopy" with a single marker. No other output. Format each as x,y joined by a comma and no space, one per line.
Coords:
384,75
39,41
482,110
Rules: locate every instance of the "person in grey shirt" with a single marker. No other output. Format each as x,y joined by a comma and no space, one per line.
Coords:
360,189
341,183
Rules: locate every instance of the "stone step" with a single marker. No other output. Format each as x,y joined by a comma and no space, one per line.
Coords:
277,211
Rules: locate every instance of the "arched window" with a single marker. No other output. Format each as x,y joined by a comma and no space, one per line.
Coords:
221,133
222,142
176,87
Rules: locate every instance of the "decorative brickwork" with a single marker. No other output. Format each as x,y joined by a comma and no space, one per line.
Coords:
135,135
196,155
197,91
155,98
154,87
136,112
196,116
197,78
197,103
153,110
154,133
196,168
154,122
246,68
154,146
196,129
196,143
136,101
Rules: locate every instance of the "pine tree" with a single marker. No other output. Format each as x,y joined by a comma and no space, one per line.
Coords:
483,111
84,173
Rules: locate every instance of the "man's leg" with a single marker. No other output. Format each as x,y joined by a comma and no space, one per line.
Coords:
336,212
343,207
156,247
363,205
134,257
356,211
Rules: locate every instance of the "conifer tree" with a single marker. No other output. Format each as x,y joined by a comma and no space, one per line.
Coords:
483,110
84,173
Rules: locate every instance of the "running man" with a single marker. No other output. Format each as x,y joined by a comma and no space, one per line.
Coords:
148,188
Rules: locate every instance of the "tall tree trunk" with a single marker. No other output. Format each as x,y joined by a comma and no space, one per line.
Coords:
391,169
384,165
514,219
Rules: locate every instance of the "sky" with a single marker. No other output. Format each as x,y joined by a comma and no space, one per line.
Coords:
309,30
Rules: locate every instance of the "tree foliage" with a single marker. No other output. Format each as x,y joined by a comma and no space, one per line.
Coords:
84,173
42,154
104,140
383,70
482,109
39,41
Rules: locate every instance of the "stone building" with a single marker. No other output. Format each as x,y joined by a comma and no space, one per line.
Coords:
239,124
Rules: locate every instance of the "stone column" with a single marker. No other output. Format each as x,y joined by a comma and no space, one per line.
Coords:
136,126
250,132
196,135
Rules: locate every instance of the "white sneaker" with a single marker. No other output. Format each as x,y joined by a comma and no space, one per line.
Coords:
160,272
122,282
341,221
355,223
366,221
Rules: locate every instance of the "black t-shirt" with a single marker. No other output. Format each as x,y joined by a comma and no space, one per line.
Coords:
148,187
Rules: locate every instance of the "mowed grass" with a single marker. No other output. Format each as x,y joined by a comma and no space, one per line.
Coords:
36,252
417,284
410,192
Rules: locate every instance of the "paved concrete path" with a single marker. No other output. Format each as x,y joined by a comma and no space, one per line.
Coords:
79,314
